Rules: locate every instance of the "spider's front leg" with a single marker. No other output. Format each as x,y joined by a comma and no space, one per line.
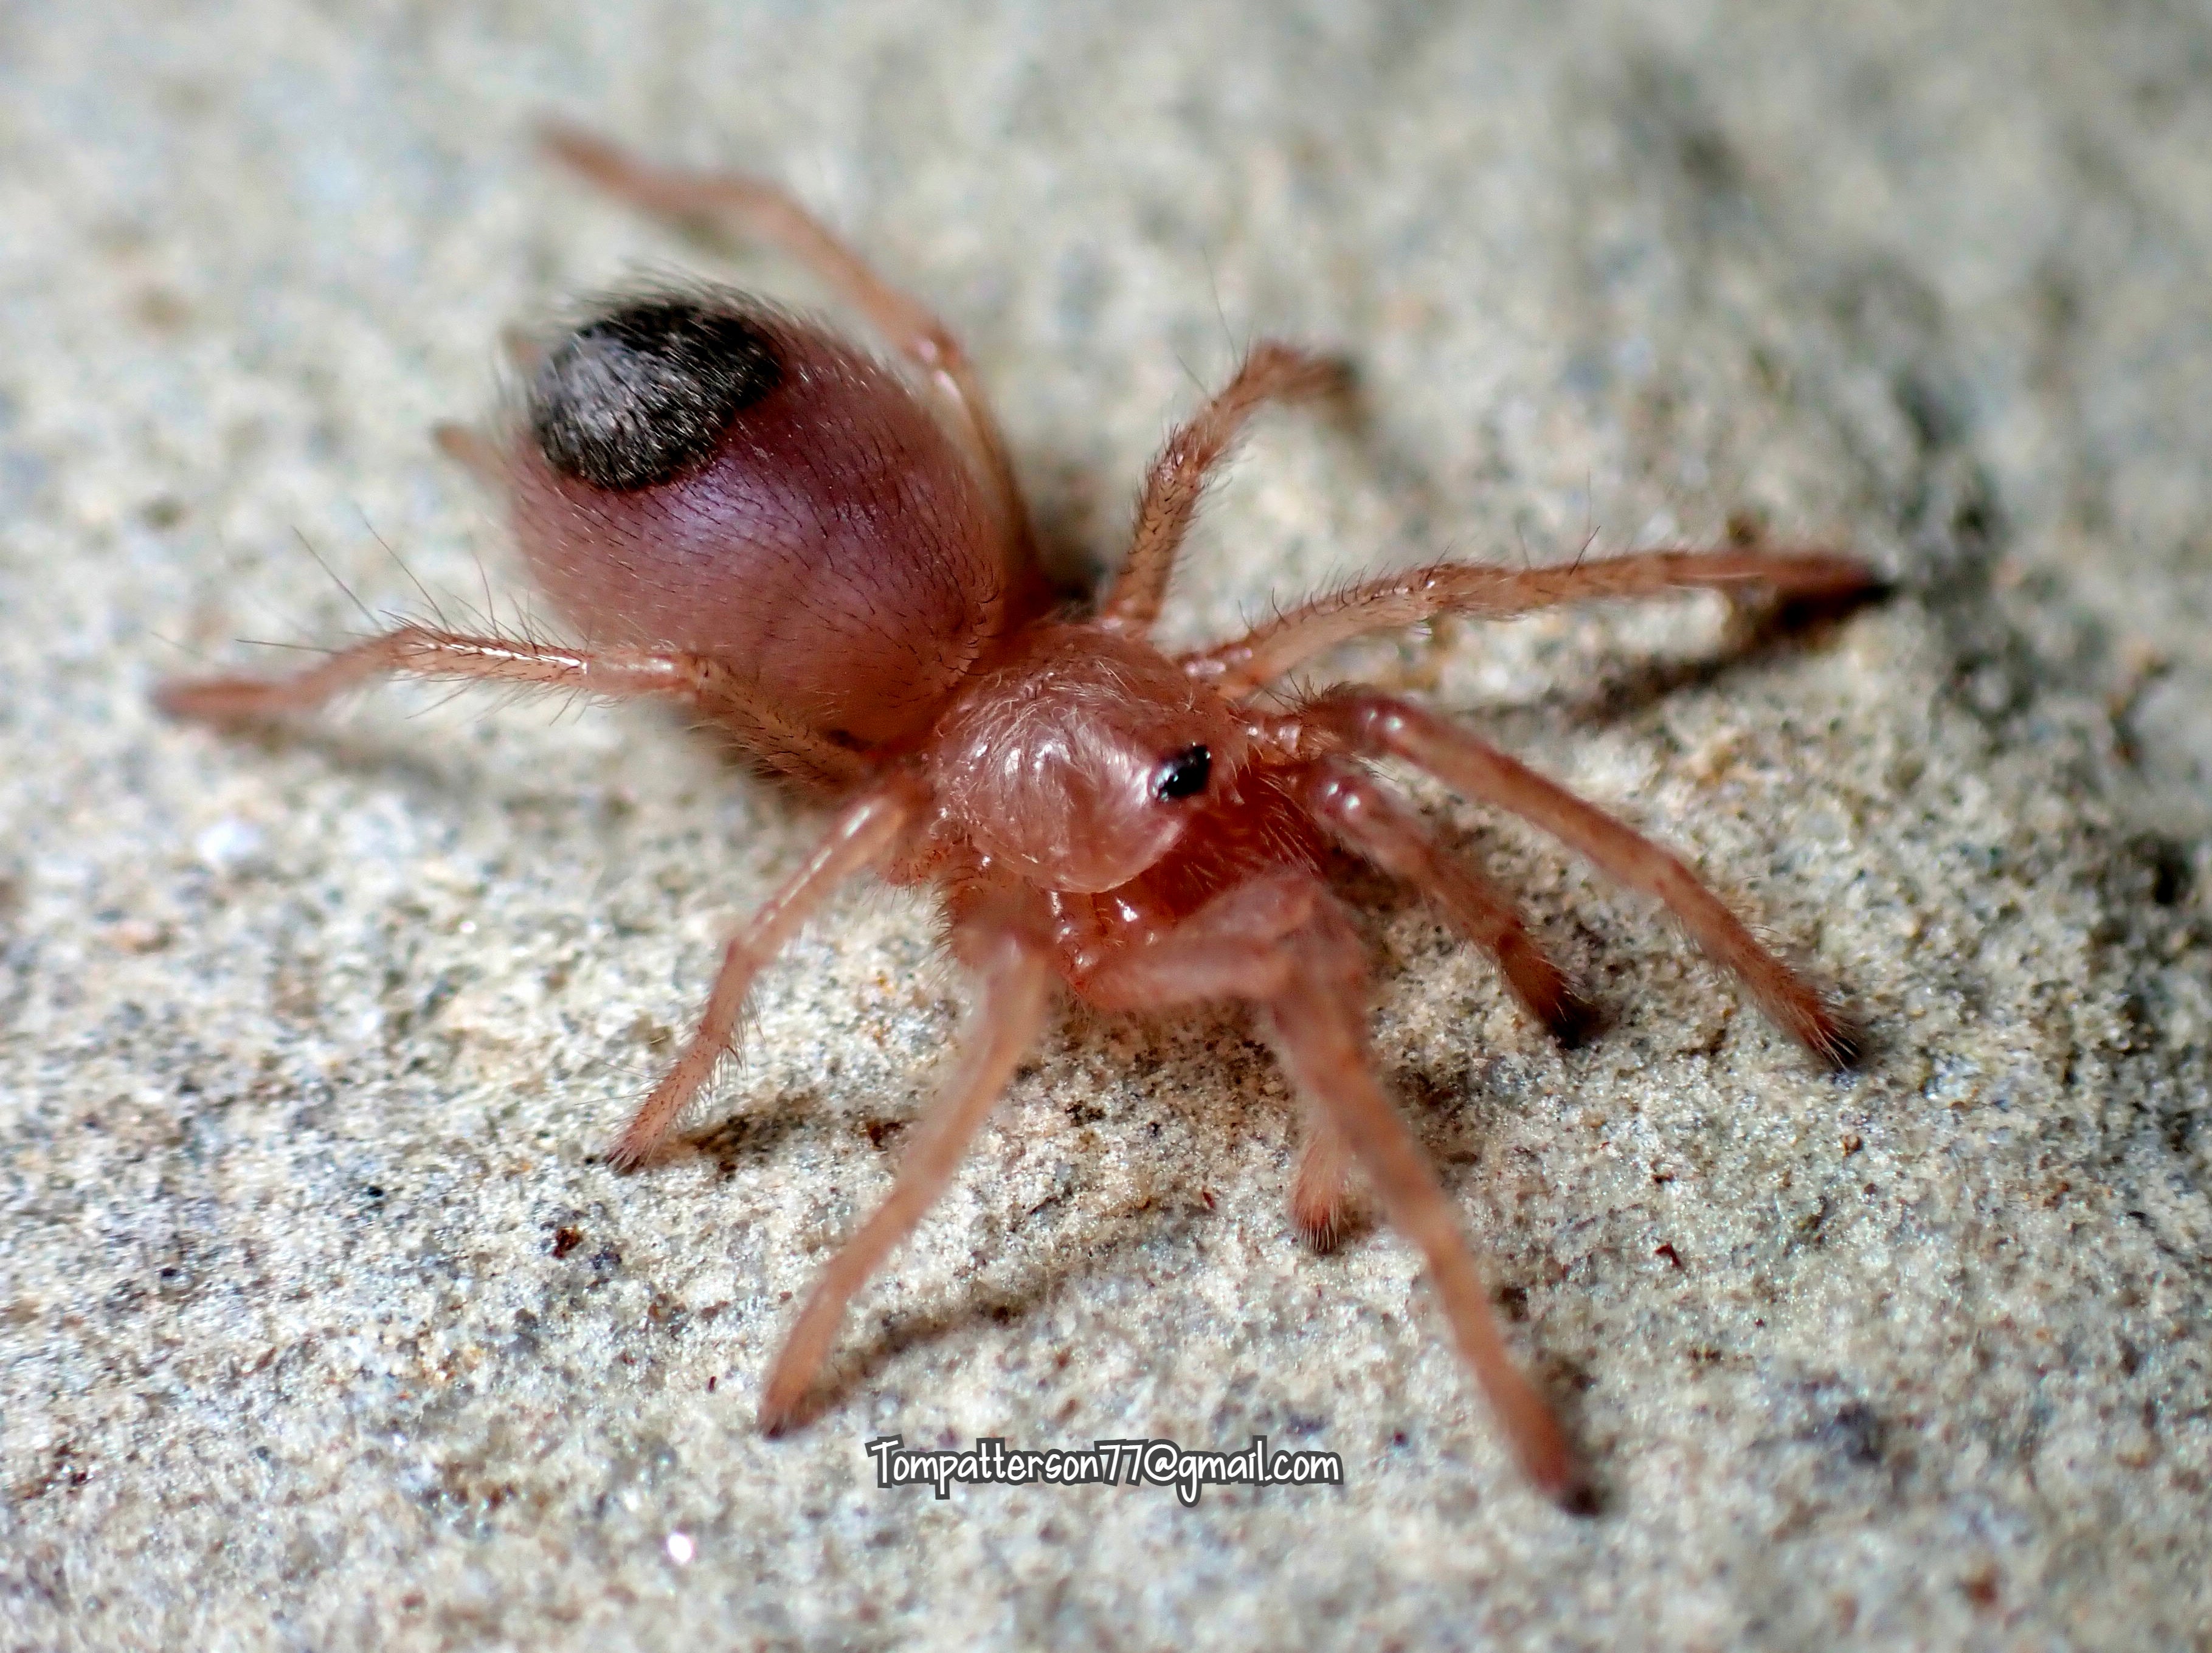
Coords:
1807,581
1009,954
864,833
1234,948
1367,820
1281,943
1363,816
1317,1026
1382,725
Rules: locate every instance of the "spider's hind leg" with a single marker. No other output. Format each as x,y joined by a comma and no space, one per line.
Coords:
1271,372
705,684
422,651
475,452
866,831
755,208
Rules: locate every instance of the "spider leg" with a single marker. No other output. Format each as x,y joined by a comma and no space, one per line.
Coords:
1315,1025
706,685
1371,823
1240,667
1272,372
1009,1009
759,209
1361,812
1320,1190
1234,948
1380,724
863,832
1282,943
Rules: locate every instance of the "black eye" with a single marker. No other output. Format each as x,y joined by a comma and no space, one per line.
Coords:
1185,775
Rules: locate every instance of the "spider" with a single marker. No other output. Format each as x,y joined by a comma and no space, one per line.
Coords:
824,554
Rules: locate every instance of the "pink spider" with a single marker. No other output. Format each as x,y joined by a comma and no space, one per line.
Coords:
828,557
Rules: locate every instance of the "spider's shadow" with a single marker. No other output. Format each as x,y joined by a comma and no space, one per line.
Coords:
1625,693
749,1133
348,751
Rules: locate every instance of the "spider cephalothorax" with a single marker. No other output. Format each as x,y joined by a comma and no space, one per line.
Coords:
828,557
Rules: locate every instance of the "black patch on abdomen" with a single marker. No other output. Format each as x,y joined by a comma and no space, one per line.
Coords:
643,393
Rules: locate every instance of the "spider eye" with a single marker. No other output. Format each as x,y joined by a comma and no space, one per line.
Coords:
1185,775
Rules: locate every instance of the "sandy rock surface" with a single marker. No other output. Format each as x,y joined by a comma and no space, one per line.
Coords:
321,1324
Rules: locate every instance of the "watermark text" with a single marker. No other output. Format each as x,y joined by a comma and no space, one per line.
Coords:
991,1462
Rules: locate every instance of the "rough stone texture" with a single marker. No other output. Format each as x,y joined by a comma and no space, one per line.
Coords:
321,1325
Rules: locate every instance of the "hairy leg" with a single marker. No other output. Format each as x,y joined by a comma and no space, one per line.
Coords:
1015,975
1320,1192
1379,725
1317,1029
1272,372
760,210
1282,943
706,685
1236,947
1240,667
865,831
1361,812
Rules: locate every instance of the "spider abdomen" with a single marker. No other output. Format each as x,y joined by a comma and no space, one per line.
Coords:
700,472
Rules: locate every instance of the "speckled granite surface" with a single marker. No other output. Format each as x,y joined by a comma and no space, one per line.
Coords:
320,1326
